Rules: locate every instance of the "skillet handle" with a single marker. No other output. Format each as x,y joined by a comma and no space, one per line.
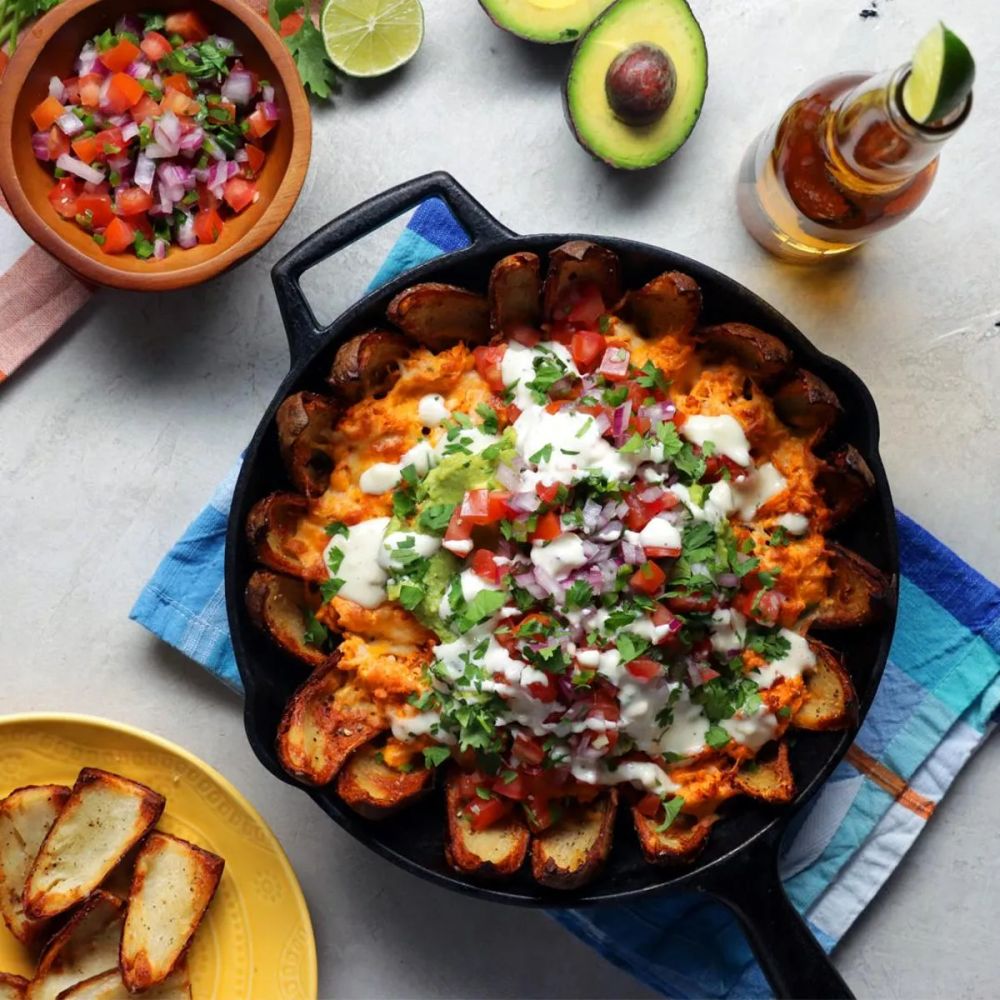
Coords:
795,964
301,324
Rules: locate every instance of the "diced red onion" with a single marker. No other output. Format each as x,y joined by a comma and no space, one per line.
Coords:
507,477
79,169
130,131
159,249
694,674
213,148
240,156
650,494
620,418
238,87
185,233
56,89
119,121
225,45
176,175
632,554
727,580
192,139
549,583
69,124
119,163
526,581
270,111
139,70
40,146
602,424
87,61
592,512
157,152
267,93
145,170
103,94
129,23
167,132
524,503
157,81
614,362
166,201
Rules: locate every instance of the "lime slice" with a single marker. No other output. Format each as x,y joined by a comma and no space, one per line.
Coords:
371,37
940,78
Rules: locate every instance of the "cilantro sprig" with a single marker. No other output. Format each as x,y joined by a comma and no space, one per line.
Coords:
306,46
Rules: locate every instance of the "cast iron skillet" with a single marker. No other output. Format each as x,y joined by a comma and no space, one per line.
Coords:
739,864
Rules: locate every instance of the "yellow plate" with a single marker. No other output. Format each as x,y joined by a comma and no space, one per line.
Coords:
257,939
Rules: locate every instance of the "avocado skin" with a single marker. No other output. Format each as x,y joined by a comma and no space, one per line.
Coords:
581,45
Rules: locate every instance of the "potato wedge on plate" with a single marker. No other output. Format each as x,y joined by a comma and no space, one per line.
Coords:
86,946
571,853
26,816
12,987
109,986
104,816
173,883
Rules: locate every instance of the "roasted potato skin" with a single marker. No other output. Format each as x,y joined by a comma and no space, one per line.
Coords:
273,520
761,354
678,844
576,262
857,591
595,821
12,986
831,702
515,292
768,777
373,789
806,403
440,316
278,606
669,305
367,365
845,483
305,422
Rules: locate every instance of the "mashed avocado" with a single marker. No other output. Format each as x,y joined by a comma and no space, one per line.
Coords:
452,477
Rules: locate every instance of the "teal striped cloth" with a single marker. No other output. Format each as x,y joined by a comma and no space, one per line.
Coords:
937,702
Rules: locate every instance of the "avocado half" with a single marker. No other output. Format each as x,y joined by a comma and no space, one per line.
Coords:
548,21
664,26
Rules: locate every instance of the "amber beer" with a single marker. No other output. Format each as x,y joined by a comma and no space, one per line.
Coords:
844,162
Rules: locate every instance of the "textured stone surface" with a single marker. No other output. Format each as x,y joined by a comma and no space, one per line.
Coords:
114,436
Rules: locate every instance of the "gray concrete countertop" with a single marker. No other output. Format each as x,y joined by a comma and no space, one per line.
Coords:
114,436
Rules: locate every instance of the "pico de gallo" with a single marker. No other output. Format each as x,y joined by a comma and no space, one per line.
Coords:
600,560
157,137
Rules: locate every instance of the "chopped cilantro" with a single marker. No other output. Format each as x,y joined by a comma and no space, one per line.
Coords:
779,537
579,595
630,646
436,517
769,643
337,528
651,377
716,737
315,632
491,423
436,756
671,810
542,455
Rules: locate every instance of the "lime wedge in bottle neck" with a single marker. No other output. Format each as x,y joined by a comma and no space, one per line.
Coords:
941,77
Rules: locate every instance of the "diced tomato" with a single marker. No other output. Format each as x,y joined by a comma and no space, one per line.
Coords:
484,813
715,464
71,90
188,25
588,307
90,89
146,108
133,201
179,82
122,93
63,196
120,56
547,528
692,604
484,506
468,782
485,566
547,492
458,537
99,206
661,617
649,805
255,160
207,225
58,143
488,360
643,668
206,199
648,578
104,144
290,25
179,103
515,788
523,334
239,193
217,104
87,148
641,512
544,690
155,46
763,606
257,125
540,813
45,114
587,348
660,552
118,236
529,750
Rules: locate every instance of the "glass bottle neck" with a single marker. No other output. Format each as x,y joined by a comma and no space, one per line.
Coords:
877,138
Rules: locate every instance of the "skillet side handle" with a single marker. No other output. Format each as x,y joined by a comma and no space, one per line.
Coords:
301,325
793,960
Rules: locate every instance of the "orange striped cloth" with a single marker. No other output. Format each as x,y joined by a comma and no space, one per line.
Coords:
37,294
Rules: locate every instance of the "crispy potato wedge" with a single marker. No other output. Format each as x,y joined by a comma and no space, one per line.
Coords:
103,817
439,316
26,816
12,987
830,699
679,843
515,292
575,263
668,305
86,946
806,403
367,366
109,986
172,885
306,421
856,591
318,732
845,482
572,852
768,776
762,355
492,853
373,789
280,606
271,530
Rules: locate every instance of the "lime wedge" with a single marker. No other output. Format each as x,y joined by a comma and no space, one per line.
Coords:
940,78
371,37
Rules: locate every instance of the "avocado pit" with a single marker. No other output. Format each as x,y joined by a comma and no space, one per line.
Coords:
640,84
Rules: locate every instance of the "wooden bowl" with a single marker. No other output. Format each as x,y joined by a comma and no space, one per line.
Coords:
50,49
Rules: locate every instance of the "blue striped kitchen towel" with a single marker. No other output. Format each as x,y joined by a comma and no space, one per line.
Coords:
936,704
